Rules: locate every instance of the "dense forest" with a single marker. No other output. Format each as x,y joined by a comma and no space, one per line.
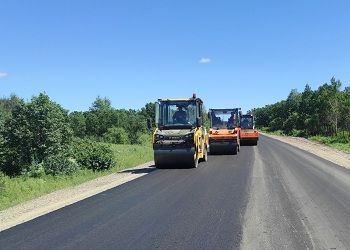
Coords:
325,111
40,136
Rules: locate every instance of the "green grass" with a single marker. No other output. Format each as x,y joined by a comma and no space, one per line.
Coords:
267,131
341,146
340,141
131,155
19,189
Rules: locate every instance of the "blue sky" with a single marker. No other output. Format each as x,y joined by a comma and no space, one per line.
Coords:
231,53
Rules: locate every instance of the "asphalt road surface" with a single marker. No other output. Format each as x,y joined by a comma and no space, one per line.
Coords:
272,196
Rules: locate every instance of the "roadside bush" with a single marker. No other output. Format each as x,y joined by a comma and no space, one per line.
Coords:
116,135
298,133
59,165
144,139
2,181
341,137
35,170
92,155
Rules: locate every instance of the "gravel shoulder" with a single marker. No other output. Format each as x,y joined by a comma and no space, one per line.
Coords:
48,203
333,155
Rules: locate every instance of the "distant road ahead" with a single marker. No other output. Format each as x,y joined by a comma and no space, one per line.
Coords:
272,196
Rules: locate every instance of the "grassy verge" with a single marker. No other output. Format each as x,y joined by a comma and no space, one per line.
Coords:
267,131
340,142
131,155
19,189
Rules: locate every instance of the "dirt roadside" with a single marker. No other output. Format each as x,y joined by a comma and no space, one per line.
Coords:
333,155
48,203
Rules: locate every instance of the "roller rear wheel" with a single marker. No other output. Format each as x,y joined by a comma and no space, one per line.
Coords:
205,158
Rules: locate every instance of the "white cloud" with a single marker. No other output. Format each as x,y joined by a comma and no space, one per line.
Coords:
3,74
205,60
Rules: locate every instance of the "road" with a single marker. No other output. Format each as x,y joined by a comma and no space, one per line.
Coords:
272,196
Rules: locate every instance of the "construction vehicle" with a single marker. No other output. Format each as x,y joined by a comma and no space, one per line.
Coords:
224,130
248,134
180,139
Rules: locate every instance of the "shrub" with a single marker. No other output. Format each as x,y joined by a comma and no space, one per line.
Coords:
100,162
144,139
116,135
60,164
298,133
92,155
341,137
2,181
35,170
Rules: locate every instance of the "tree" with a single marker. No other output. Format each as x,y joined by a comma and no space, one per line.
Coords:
327,106
16,147
2,139
92,124
49,125
101,104
262,116
306,111
100,117
8,104
136,123
290,124
149,111
323,111
344,109
293,101
78,123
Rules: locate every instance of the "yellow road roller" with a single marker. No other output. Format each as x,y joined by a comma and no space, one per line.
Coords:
180,139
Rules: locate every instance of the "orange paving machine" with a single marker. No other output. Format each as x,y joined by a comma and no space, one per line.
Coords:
224,130
248,134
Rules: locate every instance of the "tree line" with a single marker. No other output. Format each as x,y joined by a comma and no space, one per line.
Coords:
104,123
40,136
325,111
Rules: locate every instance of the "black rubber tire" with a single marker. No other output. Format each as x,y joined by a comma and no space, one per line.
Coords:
235,150
160,166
